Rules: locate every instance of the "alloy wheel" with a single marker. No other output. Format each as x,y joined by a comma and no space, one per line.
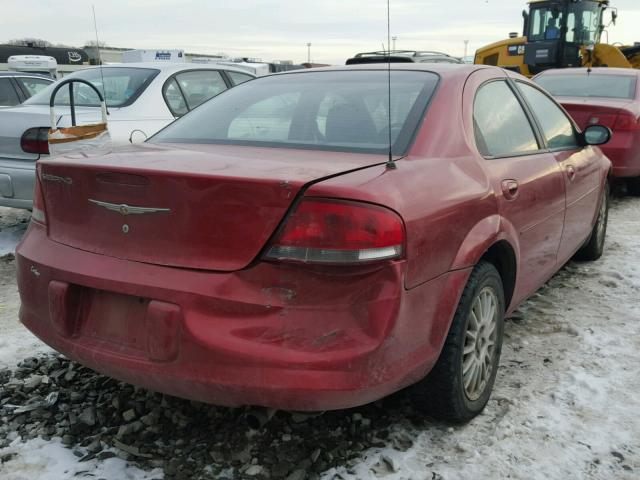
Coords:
480,343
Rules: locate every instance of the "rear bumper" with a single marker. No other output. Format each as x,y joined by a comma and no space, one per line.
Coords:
624,153
17,180
277,336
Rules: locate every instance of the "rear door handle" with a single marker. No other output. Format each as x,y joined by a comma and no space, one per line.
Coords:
571,172
510,189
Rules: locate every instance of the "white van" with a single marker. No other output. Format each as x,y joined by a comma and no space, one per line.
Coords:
41,64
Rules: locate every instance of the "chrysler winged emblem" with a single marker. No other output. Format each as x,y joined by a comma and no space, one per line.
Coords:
124,209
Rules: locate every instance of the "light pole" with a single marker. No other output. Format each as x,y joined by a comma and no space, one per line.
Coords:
394,38
308,52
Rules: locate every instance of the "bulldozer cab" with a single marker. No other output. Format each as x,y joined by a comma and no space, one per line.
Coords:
557,29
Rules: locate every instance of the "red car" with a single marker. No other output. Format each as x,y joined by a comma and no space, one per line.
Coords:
265,250
604,96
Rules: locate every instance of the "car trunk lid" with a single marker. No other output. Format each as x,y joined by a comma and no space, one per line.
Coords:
206,207
592,111
14,121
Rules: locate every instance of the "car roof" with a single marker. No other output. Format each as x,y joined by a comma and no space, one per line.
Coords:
171,68
26,74
445,70
592,71
401,56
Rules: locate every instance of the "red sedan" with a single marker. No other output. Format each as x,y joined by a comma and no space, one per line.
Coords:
264,249
604,96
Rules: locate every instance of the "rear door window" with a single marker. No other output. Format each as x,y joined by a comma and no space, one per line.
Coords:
237,78
8,95
200,85
32,85
556,126
501,125
174,98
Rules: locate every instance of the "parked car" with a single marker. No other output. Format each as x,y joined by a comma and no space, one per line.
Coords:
143,96
264,249
403,56
16,87
606,96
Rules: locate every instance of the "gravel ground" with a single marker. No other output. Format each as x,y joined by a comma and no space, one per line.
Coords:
565,403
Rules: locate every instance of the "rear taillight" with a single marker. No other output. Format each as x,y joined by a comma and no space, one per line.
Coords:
38,214
339,232
627,121
35,140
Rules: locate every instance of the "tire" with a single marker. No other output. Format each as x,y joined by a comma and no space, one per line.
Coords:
633,186
594,247
443,394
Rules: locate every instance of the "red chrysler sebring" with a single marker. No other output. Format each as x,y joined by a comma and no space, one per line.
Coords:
266,249
604,96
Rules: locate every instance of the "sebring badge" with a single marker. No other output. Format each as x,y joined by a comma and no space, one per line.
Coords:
124,209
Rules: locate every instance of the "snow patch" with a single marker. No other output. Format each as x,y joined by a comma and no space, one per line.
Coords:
50,460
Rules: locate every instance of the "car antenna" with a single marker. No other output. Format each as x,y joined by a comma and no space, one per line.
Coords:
95,27
391,164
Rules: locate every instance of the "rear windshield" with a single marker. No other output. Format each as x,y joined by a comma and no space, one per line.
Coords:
122,85
336,110
603,86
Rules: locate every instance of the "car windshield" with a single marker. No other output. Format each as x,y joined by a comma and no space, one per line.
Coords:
331,110
603,86
122,85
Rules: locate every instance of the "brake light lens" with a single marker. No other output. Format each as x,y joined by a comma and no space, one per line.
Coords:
38,213
329,231
627,121
35,140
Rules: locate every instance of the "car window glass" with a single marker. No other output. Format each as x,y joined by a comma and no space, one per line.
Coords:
502,127
336,110
33,85
120,86
267,120
376,105
238,78
582,85
173,97
199,86
8,95
556,126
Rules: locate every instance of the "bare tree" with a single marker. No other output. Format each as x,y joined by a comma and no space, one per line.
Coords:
25,42
92,43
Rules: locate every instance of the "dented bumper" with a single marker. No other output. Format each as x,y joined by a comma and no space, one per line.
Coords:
282,336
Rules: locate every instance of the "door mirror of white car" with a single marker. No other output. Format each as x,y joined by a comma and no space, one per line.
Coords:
137,136
596,135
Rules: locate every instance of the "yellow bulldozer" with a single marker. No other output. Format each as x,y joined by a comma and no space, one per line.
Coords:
561,34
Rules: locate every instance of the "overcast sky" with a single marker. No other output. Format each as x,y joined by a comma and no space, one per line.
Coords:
280,29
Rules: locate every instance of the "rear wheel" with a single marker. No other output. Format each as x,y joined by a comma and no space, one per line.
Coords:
633,186
459,386
594,248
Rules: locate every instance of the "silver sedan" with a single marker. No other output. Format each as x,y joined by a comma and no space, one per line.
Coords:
142,98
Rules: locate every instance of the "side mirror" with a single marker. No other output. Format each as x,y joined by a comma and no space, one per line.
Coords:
614,16
596,135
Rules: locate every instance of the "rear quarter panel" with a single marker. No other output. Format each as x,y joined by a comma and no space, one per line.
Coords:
439,189
14,121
